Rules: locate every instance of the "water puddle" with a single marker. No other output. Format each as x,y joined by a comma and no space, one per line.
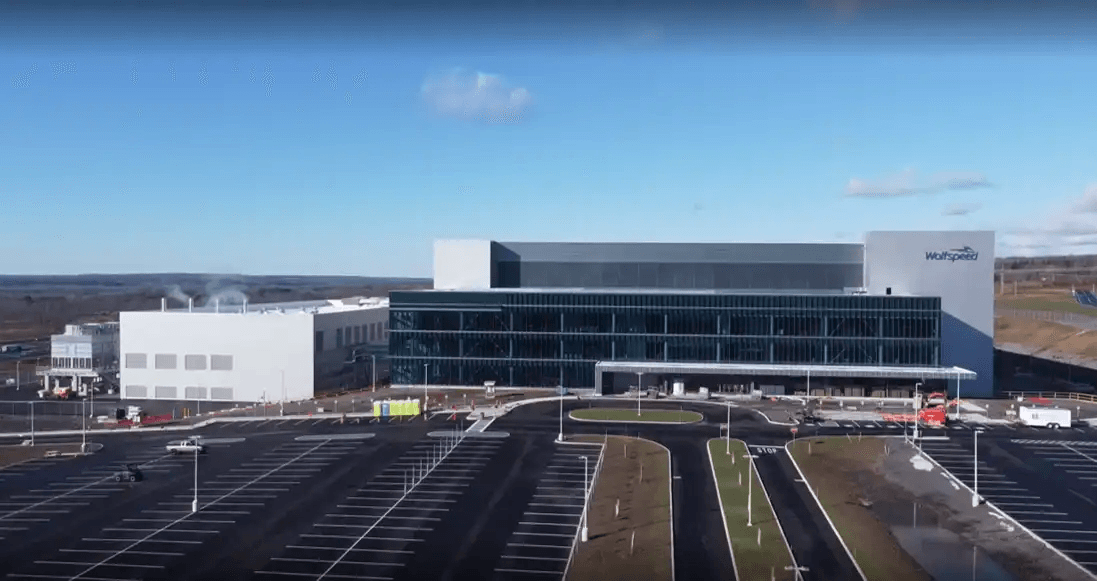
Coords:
947,557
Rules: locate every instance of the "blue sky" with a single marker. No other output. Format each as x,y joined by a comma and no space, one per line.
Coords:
284,155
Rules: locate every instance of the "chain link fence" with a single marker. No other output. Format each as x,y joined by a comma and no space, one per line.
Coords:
1070,319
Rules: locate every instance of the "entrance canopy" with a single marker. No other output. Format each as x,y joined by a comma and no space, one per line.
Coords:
779,370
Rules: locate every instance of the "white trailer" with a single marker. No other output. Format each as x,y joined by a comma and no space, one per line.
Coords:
1045,417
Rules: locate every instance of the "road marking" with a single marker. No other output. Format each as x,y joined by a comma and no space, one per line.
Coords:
184,517
500,569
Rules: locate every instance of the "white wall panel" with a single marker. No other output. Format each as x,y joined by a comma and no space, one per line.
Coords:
957,266
261,346
462,264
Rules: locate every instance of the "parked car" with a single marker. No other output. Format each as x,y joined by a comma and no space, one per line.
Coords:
191,445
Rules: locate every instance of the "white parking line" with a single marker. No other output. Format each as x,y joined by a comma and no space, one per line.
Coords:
527,571
182,518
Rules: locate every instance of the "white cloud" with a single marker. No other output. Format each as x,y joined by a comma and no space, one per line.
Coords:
1069,229
475,96
960,209
1088,202
906,183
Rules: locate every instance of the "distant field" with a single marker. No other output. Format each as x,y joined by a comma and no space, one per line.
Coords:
1047,302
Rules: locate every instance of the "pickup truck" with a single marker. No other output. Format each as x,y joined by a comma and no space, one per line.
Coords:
189,446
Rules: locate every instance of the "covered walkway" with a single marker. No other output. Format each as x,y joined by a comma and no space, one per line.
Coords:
911,374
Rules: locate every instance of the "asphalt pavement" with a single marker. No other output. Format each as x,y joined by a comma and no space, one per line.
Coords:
296,497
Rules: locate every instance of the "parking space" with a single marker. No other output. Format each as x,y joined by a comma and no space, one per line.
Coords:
373,532
49,503
540,546
14,472
150,542
1047,486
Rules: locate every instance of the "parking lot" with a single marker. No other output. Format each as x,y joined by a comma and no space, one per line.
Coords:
154,541
540,546
374,531
1049,486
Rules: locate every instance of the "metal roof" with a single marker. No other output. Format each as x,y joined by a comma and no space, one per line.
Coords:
781,370
292,307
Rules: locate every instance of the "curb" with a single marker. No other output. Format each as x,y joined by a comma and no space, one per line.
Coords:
666,423
990,504
670,494
824,511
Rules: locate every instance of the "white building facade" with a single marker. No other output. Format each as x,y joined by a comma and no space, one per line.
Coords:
84,357
259,353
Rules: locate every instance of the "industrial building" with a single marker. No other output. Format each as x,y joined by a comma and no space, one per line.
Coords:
83,358
260,353
872,318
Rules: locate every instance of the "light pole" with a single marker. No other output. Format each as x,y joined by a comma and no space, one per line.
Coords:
750,485
975,492
282,404
194,503
32,422
957,396
639,388
728,435
586,497
373,369
917,404
84,435
18,376
426,371
560,436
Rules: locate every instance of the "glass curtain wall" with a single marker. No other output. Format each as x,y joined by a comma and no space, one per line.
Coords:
542,339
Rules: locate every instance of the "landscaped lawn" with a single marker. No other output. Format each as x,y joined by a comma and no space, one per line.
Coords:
752,561
626,415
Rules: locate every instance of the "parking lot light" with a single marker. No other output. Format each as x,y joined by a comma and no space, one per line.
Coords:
975,491
194,503
750,485
586,497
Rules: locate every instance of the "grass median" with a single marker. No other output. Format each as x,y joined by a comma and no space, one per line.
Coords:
753,559
627,415
836,469
628,501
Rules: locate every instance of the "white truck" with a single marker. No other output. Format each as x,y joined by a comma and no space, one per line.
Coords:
1044,417
192,445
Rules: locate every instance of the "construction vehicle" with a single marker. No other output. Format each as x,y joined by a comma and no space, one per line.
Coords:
56,393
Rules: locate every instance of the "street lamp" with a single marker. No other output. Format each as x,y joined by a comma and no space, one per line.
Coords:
32,422
426,367
750,485
194,503
84,436
917,404
560,436
586,497
639,388
975,492
728,435
373,368
282,404
957,396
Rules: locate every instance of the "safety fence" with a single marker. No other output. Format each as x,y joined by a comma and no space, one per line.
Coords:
1079,321
1036,396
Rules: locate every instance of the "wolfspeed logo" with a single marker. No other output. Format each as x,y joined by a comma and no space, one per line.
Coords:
965,253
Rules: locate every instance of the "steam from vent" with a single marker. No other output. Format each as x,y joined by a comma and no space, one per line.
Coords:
176,293
227,297
222,294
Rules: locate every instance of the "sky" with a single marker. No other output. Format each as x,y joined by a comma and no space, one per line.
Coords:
341,141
